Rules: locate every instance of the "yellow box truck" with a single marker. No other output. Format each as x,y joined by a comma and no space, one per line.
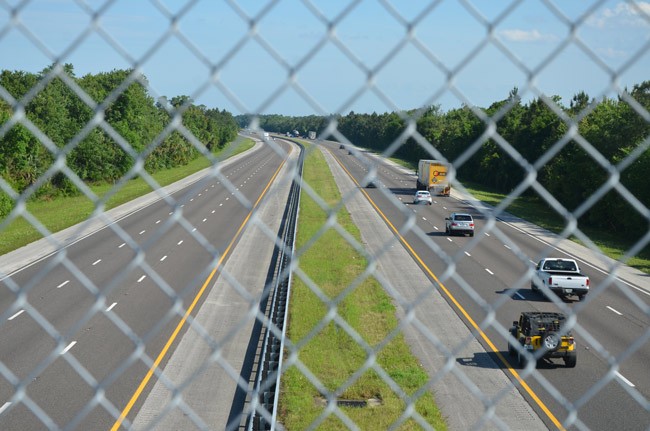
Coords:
432,176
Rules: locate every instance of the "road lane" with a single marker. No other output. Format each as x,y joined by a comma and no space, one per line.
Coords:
146,269
491,269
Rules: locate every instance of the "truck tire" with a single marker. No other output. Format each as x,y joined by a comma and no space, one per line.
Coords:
570,360
521,359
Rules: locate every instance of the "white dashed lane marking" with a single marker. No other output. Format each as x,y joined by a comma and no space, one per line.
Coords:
141,278
615,311
16,315
112,306
63,284
626,381
69,346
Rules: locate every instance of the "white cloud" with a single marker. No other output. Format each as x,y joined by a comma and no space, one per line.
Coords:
623,15
517,35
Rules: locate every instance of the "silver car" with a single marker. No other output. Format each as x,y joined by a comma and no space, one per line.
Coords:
422,197
459,223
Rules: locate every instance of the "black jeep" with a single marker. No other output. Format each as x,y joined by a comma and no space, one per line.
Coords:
543,335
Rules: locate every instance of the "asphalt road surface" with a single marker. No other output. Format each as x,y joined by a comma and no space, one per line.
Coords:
485,280
86,331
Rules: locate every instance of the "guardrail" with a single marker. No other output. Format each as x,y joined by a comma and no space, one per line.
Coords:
264,405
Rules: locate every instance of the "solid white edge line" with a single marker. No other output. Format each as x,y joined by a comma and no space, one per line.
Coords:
626,381
70,346
615,311
112,306
16,315
579,259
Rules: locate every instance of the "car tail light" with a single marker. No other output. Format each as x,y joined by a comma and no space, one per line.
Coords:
454,224
550,281
471,225
587,282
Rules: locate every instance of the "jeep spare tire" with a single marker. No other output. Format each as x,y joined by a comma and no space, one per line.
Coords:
551,341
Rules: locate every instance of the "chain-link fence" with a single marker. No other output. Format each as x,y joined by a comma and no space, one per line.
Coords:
192,306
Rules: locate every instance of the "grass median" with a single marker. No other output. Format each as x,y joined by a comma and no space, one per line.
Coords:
62,212
331,354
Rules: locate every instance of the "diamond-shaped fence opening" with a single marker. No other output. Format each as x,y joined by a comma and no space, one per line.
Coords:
208,261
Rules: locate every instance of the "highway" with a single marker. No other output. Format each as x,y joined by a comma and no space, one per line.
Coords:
92,323
486,281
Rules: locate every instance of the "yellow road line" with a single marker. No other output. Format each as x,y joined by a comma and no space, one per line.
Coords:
489,342
189,310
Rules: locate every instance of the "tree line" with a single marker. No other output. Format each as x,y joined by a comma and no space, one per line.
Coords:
138,128
570,148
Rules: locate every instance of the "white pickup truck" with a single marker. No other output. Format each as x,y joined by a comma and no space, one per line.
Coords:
562,277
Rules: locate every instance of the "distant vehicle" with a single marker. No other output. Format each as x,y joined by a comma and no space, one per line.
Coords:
543,335
459,223
266,135
371,184
432,177
312,135
562,277
422,196
341,147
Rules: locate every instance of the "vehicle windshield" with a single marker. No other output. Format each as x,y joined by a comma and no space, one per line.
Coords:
560,265
463,217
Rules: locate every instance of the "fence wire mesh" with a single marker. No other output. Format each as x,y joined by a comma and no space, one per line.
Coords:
100,330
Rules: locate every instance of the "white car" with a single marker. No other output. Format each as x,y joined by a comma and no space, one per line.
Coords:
422,196
459,223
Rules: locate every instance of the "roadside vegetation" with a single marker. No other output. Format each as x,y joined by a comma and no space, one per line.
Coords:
330,353
64,211
488,146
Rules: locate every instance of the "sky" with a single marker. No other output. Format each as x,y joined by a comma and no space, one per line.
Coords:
321,57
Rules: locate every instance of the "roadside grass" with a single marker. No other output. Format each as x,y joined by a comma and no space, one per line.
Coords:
325,347
538,212
62,212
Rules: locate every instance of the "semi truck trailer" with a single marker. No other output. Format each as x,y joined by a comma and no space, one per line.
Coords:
432,176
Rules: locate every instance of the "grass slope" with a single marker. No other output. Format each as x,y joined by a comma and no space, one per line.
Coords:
63,212
326,347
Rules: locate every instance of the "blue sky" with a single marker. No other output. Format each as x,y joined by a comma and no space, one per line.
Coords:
337,56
